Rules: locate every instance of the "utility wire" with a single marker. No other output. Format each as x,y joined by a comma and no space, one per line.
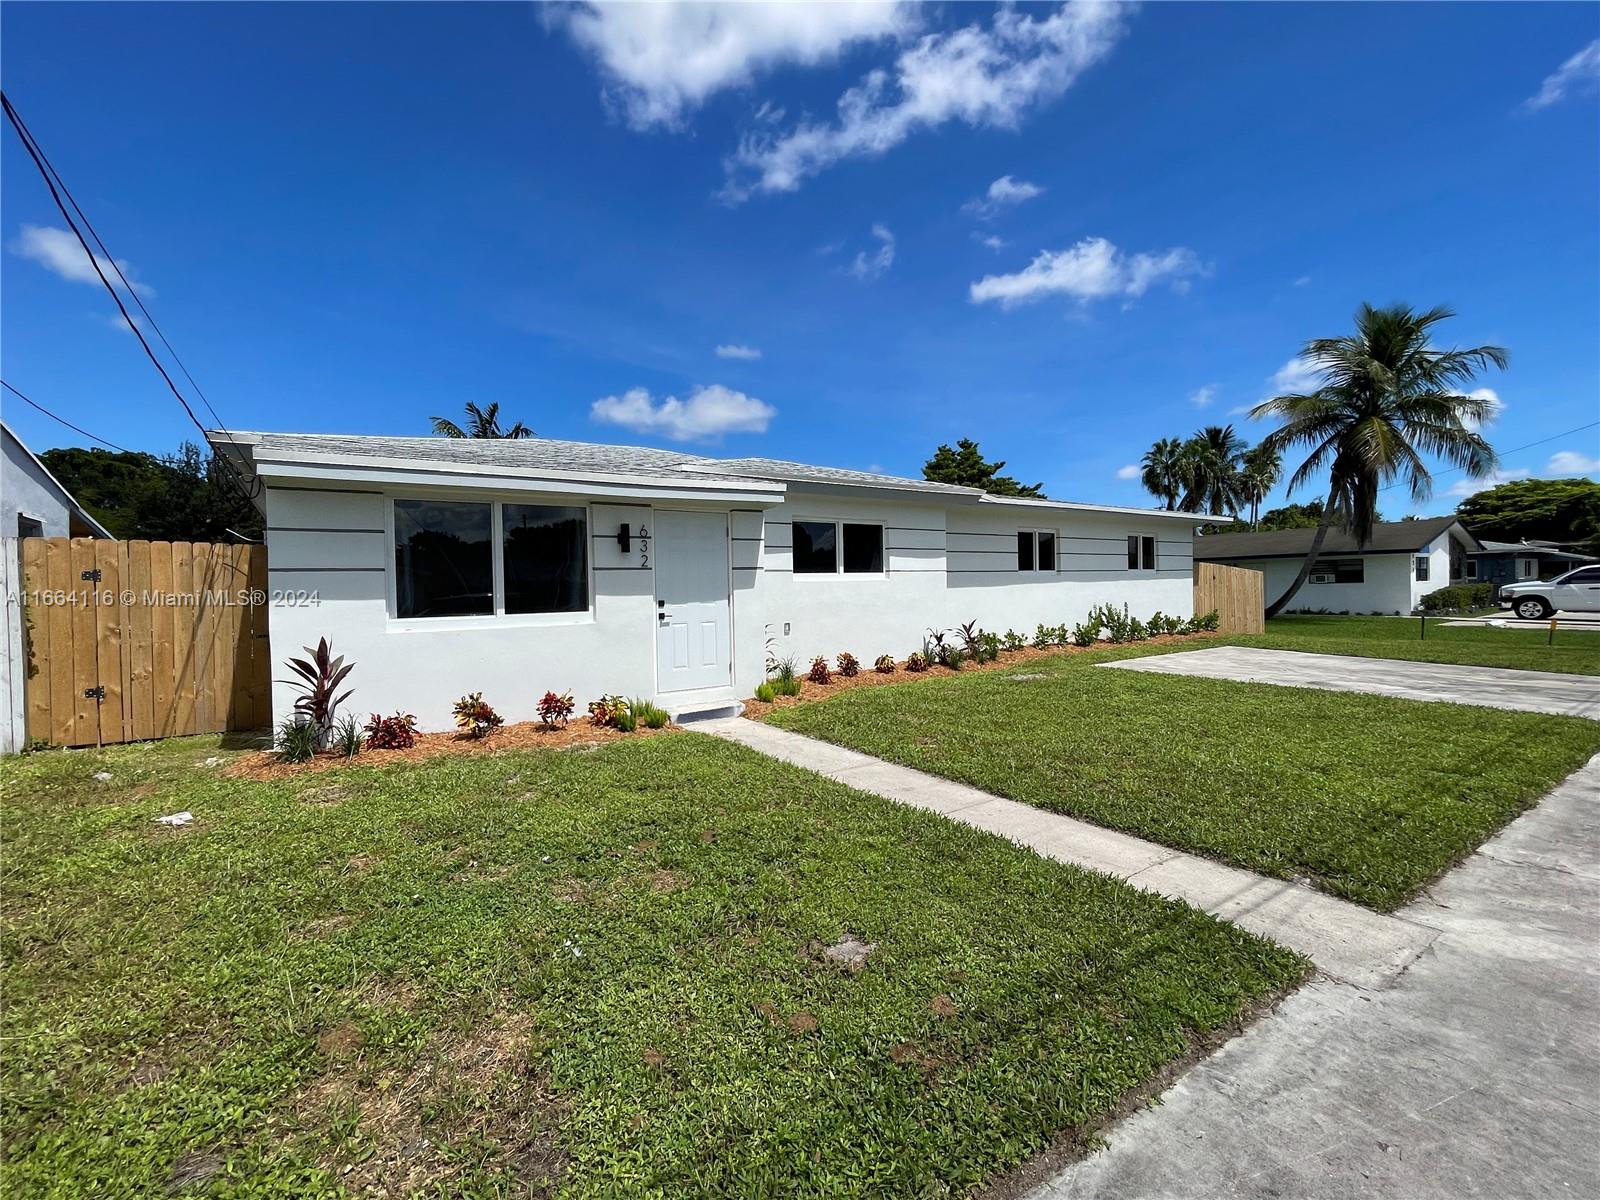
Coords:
1514,450
51,181
62,420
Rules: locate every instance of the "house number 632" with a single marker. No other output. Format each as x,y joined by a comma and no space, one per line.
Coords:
644,546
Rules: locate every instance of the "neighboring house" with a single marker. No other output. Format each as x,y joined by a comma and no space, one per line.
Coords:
1403,562
32,502
442,566
1501,563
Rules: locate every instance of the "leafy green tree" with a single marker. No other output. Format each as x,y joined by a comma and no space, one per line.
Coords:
1212,462
481,423
1547,510
1258,475
185,497
964,466
1163,471
1386,399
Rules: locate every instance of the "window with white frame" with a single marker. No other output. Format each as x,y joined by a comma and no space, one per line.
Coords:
1141,552
461,558
1339,570
837,548
1527,568
1422,568
1036,550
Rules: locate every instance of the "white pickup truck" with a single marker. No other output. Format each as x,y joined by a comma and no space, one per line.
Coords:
1576,591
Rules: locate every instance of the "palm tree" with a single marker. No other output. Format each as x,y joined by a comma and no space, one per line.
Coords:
481,423
1163,474
1213,459
1263,467
1387,398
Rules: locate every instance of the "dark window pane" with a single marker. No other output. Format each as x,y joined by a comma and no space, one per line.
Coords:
443,559
1133,552
1047,552
1025,551
1422,568
1343,570
546,558
816,550
863,549
1149,544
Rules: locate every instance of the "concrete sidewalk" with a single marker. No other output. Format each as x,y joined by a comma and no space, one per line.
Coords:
1344,940
1485,687
1477,1073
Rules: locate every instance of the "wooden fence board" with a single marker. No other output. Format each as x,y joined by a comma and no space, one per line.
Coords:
167,630
1236,593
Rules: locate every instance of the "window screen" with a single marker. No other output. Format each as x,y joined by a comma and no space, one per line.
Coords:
443,559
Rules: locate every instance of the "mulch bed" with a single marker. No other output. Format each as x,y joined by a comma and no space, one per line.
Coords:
526,735
1009,660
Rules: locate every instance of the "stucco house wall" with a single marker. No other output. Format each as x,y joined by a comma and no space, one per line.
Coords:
29,493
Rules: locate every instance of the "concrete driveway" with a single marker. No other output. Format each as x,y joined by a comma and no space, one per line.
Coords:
1474,1074
1487,687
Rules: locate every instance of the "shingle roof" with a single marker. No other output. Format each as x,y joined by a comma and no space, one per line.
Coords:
1390,537
792,472
1548,549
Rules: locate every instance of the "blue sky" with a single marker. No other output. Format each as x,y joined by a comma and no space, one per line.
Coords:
1064,231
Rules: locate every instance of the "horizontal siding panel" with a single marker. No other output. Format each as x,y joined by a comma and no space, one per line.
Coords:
298,509
291,549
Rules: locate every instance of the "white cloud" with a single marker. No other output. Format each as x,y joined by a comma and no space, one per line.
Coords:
746,353
1580,73
986,78
880,260
1295,377
1131,471
1496,407
990,240
709,412
1091,270
1303,281
1471,487
1572,462
1202,397
59,251
1003,193
661,61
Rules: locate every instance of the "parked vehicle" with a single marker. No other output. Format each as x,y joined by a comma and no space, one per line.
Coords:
1576,591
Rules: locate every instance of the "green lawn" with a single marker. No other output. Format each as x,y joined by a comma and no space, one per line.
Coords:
1368,796
584,973
1575,651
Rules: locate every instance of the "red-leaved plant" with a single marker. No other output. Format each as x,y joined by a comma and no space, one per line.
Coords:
884,664
555,708
819,672
398,732
849,666
474,716
320,677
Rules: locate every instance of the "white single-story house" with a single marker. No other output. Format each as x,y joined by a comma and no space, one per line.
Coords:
32,501
1401,563
444,566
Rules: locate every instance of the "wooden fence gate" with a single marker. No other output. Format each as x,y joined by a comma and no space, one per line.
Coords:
132,640
1238,595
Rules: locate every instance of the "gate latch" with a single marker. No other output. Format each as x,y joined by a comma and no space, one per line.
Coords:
92,575
97,693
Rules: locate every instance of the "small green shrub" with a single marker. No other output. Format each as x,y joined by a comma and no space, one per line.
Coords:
849,666
649,714
1013,640
611,710
1205,624
819,672
989,645
916,663
1459,597
784,671
1086,633
766,692
348,736
1117,623
1044,636
297,740
787,687
884,664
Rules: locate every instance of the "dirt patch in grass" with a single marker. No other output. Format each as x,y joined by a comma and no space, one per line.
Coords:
477,1091
1008,660
526,735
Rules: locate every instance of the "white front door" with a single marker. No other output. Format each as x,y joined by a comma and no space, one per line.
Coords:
693,642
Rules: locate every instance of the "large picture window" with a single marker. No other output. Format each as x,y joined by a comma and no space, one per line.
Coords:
837,547
546,561
443,559
1339,570
446,565
1141,553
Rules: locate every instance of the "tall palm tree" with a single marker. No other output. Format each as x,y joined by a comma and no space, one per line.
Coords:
1213,457
1386,399
1263,467
481,423
1163,474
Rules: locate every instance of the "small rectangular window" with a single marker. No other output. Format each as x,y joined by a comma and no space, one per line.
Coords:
1141,553
443,559
1422,568
1025,542
816,548
1527,568
546,558
1472,568
1339,570
1047,551
863,549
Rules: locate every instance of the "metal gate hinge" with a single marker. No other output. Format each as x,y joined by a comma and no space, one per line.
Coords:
92,575
95,693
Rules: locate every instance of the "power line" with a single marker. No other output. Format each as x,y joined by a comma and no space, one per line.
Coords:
51,180
62,420
1554,437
